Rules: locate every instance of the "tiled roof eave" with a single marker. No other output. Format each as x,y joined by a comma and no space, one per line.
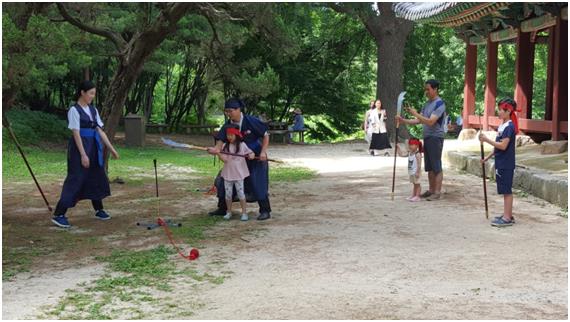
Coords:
468,15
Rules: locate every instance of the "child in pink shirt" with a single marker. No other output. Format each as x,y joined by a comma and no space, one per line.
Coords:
235,170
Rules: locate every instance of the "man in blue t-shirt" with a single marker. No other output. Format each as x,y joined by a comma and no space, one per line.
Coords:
504,152
432,117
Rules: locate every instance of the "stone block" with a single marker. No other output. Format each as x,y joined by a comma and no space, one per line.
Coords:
551,188
467,134
474,167
523,140
455,160
553,147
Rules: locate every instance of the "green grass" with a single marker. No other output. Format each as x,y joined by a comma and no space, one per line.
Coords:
146,268
52,164
45,164
17,260
129,272
290,174
148,263
34,128
192,229
135,165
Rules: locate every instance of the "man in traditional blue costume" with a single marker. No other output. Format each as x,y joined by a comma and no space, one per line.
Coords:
256,137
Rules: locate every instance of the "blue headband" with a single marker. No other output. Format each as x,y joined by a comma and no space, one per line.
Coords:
234,103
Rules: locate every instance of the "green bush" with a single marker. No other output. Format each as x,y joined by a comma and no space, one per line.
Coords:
35,128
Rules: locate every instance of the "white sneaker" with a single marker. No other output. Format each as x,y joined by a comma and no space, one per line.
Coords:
228,216
244,217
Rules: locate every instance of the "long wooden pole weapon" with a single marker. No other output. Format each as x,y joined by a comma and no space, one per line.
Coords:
201,148
398,111
484,175
156,188
6,124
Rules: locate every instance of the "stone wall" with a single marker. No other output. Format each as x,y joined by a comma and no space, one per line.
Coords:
551,188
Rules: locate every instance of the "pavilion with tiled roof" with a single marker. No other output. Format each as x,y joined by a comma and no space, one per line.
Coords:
490,23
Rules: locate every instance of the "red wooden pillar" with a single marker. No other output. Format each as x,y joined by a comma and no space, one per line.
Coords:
560,77
469,88
524,70
490,83
549,75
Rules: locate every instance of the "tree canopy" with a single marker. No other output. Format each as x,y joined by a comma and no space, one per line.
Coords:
175,63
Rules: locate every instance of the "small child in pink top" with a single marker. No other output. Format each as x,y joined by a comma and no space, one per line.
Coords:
235,170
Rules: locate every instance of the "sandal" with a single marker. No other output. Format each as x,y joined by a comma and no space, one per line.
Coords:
501,222
512,218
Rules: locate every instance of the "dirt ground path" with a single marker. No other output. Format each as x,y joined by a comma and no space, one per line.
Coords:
337,247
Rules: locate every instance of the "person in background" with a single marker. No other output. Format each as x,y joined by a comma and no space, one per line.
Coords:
264,118
298,123
459,122
379,140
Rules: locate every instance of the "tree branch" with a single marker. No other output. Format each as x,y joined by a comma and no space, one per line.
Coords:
207,9
114,37
341,9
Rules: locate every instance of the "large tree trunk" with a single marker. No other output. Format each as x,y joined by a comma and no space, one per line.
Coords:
390,34
201,105
131,64
390,76
124,78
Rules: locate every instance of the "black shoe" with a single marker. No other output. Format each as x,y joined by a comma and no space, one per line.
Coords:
263,216
217,212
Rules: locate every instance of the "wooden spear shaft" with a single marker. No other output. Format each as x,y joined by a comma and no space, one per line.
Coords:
483,172
201,148
7,125
484,181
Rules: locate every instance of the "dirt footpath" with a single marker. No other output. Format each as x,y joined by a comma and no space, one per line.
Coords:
337,247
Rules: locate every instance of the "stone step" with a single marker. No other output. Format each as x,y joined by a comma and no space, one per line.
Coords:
550,187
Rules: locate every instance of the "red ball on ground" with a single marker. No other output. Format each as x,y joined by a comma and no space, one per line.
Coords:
194,254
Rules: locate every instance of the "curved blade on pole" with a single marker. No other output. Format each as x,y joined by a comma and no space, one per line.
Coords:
188,146
400,103
181,145
174,144
398,112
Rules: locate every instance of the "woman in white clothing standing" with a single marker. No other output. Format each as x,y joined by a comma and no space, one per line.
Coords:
377,125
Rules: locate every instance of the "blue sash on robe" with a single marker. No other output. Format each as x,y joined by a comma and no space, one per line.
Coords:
89,133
